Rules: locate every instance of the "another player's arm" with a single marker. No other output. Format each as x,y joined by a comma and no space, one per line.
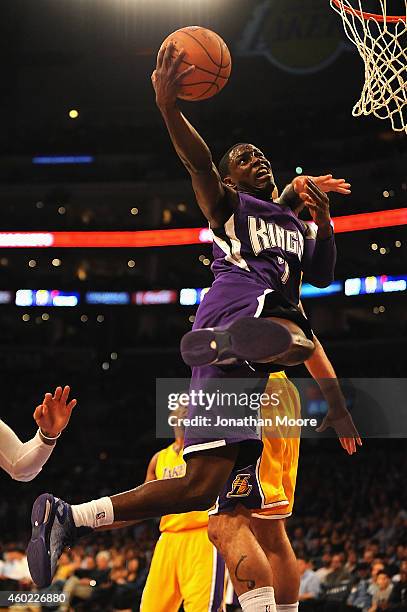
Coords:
338,416
216,200
23,461
150,475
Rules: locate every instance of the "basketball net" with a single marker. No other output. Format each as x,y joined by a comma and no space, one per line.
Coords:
381,41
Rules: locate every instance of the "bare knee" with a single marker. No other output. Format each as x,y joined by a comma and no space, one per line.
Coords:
271,533
225,529
220,528
277,531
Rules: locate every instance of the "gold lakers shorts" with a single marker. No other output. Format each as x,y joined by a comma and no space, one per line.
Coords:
267,487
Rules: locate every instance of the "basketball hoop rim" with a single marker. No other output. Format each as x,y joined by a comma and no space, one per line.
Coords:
367,16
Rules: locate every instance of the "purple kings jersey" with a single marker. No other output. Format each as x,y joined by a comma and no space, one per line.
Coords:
262,241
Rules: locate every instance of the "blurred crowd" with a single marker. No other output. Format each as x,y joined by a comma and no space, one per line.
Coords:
106,572
369,583
109,573
349,531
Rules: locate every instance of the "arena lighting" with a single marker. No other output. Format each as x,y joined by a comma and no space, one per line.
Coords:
162,296
45,297
176,237
140,239
50,160
189,296
6,297
192,297
65,300
373,220
375,284
112,298
26,239
308,291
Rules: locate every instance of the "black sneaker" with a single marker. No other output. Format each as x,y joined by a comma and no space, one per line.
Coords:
247,339
53,529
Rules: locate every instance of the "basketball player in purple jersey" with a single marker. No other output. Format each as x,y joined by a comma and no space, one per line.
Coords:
266,249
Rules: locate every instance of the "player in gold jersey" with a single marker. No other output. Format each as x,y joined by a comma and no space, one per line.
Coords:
186,568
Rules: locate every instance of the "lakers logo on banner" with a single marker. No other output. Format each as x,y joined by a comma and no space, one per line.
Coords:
298,36
240,486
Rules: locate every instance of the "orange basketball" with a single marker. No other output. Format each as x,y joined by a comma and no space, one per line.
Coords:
210,56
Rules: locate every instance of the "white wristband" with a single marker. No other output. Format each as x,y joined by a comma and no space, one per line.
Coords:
50,438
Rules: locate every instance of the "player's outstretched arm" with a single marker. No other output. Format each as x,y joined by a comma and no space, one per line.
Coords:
338,416
216,201
24,460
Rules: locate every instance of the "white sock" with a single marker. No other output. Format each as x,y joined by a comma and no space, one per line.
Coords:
258,600
287,607
93,514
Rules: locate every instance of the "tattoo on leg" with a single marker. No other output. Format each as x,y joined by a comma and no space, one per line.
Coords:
250,583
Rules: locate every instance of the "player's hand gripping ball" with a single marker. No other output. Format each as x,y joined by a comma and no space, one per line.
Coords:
209,54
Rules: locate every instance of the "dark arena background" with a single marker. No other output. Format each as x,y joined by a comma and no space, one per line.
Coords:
104,253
